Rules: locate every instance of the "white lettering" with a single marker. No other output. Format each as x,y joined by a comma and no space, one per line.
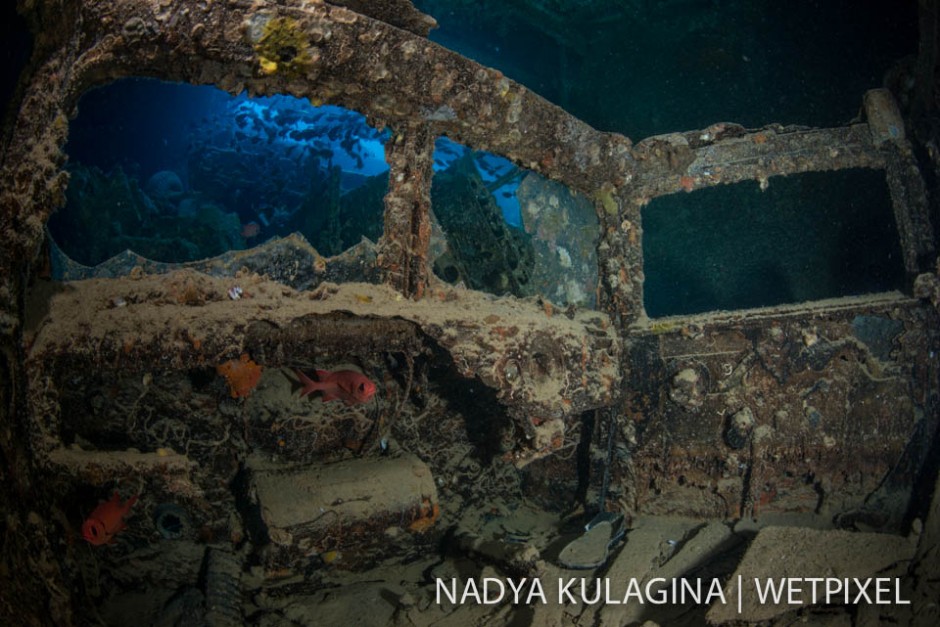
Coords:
715,591
608,599
862,587
882,585
794,591
848,591
516,589
492,590
597,590
536,591
633,590
450,594
655,592
833,587
769,591
487,583
470,589
897,594
684,585
564,592
813,581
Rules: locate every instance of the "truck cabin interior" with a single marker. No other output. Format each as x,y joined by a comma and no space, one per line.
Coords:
437,312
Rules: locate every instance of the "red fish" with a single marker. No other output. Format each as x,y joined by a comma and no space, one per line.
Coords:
250,230
347,385
107,520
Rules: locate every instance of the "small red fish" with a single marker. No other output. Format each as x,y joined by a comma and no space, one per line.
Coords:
250,230
107,520
348,385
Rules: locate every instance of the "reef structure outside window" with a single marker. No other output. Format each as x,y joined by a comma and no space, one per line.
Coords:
504,229
177,173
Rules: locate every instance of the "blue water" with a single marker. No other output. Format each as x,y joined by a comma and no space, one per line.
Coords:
247,169
647,67
240,170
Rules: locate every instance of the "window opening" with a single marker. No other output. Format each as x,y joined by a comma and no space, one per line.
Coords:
503,229
806,237
178,172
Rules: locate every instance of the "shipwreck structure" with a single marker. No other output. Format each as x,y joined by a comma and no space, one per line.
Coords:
124,380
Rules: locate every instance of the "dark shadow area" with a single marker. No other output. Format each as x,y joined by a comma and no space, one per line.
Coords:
17,47
489,428
806,237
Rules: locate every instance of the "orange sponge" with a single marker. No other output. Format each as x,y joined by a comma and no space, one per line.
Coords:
242,375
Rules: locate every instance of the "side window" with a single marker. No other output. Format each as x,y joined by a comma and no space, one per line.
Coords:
506,230
177,173
805,237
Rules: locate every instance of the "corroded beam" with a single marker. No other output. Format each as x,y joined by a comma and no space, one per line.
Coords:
403,249
727,153
328,54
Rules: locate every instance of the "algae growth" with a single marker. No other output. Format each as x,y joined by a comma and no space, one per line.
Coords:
283,48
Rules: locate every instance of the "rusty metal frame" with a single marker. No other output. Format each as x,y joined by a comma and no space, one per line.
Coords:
400,79
728,153
680,387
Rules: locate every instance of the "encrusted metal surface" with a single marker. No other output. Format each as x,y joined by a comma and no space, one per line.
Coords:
827,408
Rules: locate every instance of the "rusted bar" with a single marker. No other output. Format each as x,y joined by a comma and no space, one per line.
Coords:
908,191
727,153
403,249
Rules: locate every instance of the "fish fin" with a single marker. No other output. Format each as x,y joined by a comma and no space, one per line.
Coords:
329,396
323,374
308,384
